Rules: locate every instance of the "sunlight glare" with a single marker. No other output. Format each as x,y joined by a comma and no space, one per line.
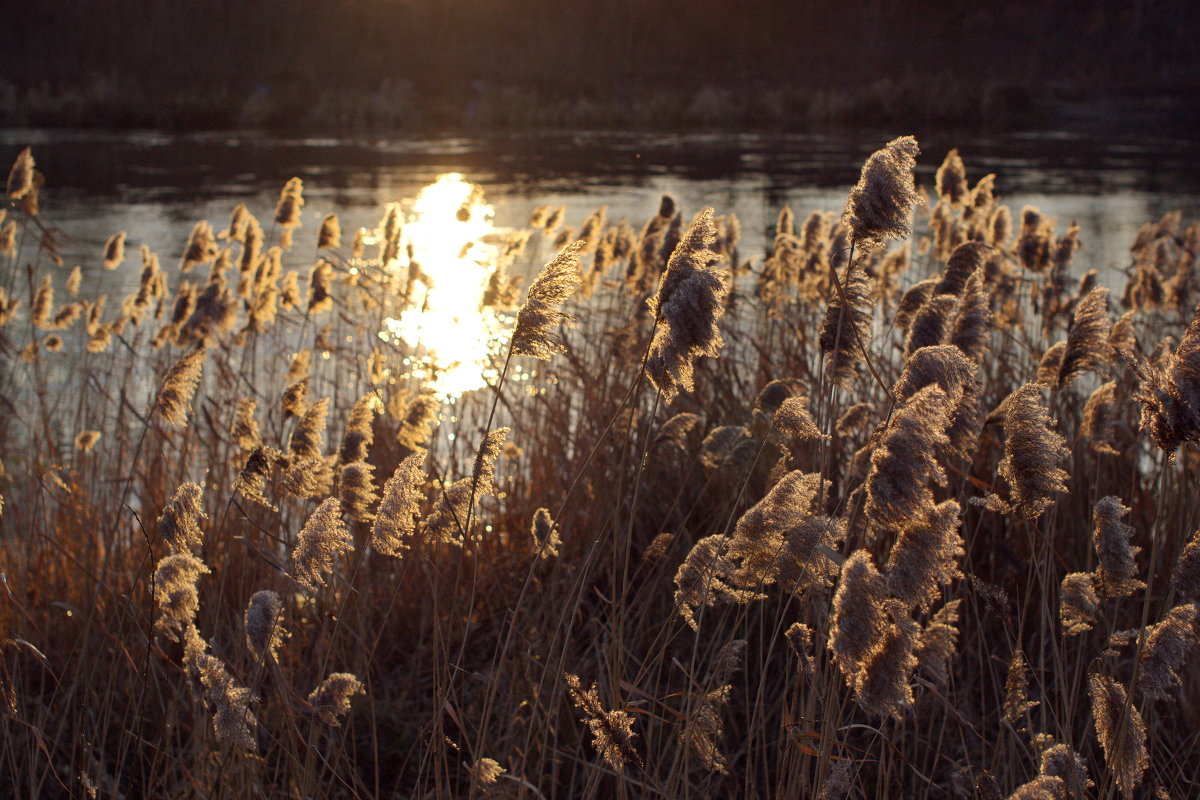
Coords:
447,237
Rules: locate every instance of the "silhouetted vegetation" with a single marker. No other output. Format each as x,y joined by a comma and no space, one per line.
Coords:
643,63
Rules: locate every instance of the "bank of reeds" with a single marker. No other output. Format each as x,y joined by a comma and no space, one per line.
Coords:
835,520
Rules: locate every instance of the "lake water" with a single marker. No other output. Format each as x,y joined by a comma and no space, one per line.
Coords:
156,186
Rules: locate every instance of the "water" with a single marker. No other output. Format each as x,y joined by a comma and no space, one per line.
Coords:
156,186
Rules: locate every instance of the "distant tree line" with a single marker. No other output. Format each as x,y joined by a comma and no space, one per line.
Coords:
600,48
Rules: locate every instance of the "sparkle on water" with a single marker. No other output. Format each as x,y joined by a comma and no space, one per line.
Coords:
448,234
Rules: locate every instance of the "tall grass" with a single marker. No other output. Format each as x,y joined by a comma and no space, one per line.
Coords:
834,520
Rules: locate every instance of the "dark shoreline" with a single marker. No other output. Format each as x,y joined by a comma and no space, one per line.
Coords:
107,104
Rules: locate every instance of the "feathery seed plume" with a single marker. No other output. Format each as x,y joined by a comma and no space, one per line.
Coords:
398,510
264,630
1032,452
859,615
705,578
1087,340
847,326
879,205
612,731
233,721
114,250
21,176
86,440
485,772
1016,691
175,592
884,685
1121,734
1186,577
1169,644
356,490
1116,571
542,310
687,307
950,180
179,386
1078,605
321,541
244,430
287,210
179,523
330,235
252,479
926,556
201,247
544,532
906,462
331,699
939,640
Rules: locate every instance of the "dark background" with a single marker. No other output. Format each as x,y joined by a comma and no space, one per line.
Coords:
640,63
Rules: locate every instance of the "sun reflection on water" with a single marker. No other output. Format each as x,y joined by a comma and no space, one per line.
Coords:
449,246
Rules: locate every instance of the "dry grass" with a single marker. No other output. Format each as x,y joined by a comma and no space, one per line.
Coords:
890,542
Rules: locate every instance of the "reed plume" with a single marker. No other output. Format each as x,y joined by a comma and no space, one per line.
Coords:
175,593
1035,243
967,259
1186,577
1032,452
542,311
359,434
396,519
703,729
322,540
86,440
1121,731
1016,691
233,721
879,205
793,421
958,376
612,731
706,577
244,430
1116,570
287,210
201,247
252,479
544,532
42,304
1169,645
263,623
485,772
950,180
758,537
1170,393
8,239
1078,604
179,523
114,250
356,490
329,237
933,323
179,386
308,437
1087,340
1097,425
847,326
972,330
926,556
859,614
687,306
331,699
939,641
320,279
906,462
884,685
21,176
